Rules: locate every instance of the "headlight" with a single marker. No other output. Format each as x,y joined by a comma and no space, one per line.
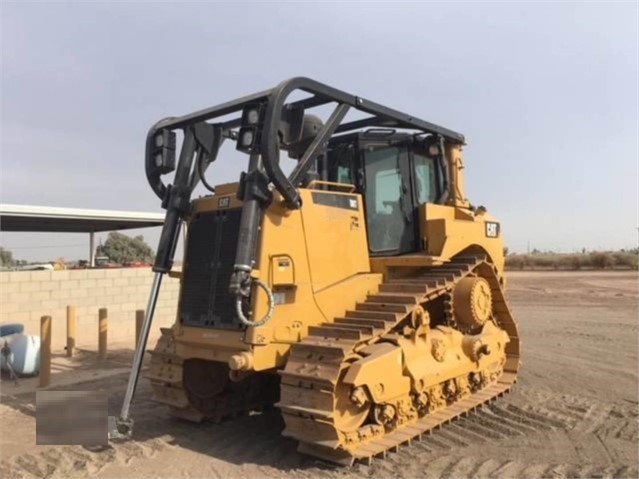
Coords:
162,155
252,117
247,138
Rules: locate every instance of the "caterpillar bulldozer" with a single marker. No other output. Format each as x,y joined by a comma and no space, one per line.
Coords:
361,293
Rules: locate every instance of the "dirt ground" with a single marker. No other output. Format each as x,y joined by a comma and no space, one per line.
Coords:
573,412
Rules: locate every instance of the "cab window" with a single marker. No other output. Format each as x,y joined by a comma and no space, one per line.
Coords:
425,179
341,167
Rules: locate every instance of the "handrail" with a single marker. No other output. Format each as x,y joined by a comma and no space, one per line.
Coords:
346,186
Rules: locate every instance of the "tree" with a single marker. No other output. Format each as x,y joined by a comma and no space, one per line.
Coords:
123,249
6,257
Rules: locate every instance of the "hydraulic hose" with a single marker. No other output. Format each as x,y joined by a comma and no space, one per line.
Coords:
269,313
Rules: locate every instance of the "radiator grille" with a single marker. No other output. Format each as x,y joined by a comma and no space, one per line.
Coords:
208,265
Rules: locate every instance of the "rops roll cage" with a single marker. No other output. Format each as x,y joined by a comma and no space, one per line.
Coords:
269,147
267,124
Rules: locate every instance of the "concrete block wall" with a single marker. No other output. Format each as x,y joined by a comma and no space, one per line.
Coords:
25,296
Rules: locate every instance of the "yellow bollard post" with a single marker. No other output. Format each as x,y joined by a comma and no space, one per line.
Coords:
71,328
103,326
45,351
139,319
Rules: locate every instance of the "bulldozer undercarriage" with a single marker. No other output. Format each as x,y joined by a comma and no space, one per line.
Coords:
323,404
196,389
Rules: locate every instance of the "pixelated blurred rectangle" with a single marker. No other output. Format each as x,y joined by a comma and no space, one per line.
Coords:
71,418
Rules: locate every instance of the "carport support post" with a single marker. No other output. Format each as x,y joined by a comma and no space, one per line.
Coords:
92,249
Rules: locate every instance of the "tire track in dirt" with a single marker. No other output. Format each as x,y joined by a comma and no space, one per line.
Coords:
483,433
253,441
76,461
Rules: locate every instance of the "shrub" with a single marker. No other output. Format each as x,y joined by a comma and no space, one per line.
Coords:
517,261
625,260
572,262
602,260
542,261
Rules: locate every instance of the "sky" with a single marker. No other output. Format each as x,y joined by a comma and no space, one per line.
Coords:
545,93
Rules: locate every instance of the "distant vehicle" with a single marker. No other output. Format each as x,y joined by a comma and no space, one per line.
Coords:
137,264
57,265
105,262
36,267
101,260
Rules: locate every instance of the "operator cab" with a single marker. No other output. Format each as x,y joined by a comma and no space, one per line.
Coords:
395,173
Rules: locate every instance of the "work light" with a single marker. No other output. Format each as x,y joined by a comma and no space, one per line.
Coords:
252,117
250,129
164,151
247,138
252,114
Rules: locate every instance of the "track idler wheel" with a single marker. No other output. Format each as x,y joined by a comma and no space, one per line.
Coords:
350,407
472,303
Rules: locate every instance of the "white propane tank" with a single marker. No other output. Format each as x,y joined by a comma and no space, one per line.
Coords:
24,355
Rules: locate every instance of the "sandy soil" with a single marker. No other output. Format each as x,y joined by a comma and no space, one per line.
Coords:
573,413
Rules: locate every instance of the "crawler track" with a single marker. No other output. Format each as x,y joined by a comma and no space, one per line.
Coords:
230,399
311,380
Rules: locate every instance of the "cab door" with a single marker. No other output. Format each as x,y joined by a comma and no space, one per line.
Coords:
390,204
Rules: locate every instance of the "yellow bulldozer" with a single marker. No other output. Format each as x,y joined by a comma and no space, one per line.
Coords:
361,293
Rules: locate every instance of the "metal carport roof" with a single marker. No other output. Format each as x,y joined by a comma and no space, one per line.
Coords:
72,220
